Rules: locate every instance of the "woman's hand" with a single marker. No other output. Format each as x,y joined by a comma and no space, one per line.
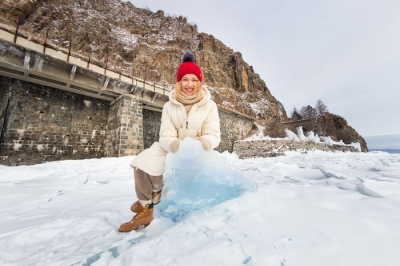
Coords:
174,145
207,146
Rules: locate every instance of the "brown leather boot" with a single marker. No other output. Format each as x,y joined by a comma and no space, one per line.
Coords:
142,218
155,197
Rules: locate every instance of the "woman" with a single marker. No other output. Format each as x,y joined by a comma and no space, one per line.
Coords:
190,112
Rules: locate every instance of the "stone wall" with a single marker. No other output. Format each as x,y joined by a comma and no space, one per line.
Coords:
151,127
5,85
233,128
277,147
46,124
125,127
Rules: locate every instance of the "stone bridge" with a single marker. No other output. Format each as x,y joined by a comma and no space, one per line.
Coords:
26,60
305,123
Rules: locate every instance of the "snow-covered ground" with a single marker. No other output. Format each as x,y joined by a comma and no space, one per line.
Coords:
308,209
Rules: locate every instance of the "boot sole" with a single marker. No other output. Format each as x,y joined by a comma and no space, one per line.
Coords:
136,228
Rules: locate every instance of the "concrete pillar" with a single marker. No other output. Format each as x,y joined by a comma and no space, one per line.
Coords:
125,127
233,128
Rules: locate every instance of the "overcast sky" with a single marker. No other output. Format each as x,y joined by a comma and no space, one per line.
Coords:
344,52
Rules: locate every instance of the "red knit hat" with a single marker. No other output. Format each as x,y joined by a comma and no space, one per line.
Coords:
189,66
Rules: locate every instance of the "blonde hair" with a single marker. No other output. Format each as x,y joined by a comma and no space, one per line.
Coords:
198,89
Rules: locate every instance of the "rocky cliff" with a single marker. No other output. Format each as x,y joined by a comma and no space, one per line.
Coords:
324,125
141,43
337,127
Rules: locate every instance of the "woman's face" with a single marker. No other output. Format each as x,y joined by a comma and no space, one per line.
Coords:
189,84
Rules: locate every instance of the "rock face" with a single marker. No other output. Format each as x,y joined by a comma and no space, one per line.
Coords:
327,124
338,128
139,43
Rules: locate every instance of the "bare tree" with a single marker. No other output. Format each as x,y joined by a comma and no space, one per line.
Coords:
319,123
320,107
294,111
308,112
295,115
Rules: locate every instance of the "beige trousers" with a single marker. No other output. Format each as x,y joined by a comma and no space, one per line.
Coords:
146,184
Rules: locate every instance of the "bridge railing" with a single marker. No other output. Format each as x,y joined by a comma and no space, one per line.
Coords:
79,60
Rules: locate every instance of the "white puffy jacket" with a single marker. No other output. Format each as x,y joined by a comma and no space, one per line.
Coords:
202,121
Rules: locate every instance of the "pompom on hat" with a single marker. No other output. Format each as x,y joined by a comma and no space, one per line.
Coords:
189,66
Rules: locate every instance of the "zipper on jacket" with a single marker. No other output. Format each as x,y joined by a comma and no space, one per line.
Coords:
187,123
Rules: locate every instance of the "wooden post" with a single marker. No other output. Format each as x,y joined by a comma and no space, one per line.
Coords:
69,48
105,68
45,41
16,30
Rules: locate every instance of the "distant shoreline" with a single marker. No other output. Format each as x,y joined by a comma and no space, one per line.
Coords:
387,150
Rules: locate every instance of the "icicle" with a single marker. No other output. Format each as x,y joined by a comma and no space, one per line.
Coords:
38,63
27,59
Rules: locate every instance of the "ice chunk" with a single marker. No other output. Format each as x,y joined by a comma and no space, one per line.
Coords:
356,145
291,135
313,137
300,133
328,141
196,179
